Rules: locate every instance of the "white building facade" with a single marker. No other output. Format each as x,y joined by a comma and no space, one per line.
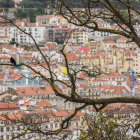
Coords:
38,33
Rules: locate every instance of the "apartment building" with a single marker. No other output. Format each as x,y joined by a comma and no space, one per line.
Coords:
38,33
4,31
48,20
49,120
80,36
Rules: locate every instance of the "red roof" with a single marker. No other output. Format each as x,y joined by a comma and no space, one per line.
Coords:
71,57
17,78
8,106
113,74
61,113
5,57
1,76
84,49
11,116
112,89
109,42
122,38
26,24
43,103
84,86
34,90
51,44
84,76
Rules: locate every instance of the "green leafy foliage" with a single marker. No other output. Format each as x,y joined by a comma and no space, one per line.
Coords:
13,42
34,3
58,41
30,9
29,13
6,3
102,127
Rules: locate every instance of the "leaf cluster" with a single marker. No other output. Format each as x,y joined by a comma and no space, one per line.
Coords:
102,127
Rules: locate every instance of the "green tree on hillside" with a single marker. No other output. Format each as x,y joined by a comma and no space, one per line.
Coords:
29,13
6,4
34,3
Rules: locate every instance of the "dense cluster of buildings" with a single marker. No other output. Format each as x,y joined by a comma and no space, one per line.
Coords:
24,93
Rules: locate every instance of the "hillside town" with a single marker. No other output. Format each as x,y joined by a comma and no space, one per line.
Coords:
24,93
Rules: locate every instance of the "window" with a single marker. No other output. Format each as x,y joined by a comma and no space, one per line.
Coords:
7,128
56,125
18,127
13,128
51,126
46,126
1,129
76,124
7,137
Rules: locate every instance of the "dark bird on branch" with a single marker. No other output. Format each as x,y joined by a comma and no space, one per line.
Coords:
12,60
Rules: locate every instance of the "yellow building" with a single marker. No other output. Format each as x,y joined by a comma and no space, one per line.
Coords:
80,37
63,70
116,61
136,58
95,46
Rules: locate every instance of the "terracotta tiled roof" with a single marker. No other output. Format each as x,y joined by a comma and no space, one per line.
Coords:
62,113
83,86
98,79
17,78
121,109
53,44
5,57
84,49
3,45
112,89
15,116
117,27
109,42
113,74
1,76
71,57
26,24
43,103
78,113
4,37
8,106
34,90
84,76
123,38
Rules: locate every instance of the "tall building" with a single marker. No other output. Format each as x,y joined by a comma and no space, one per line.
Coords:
38,33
